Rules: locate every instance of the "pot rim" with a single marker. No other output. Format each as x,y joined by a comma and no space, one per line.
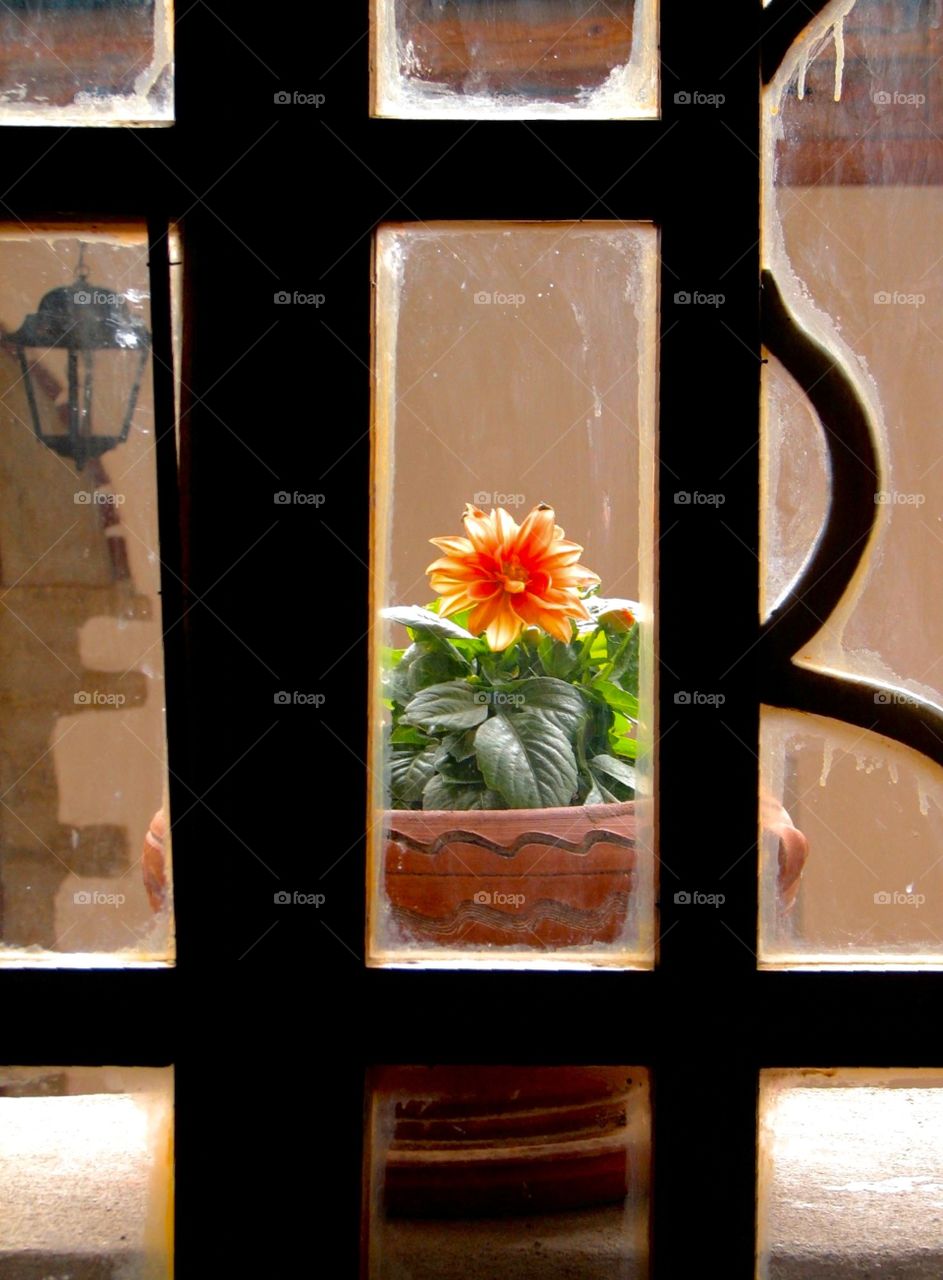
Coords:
589,812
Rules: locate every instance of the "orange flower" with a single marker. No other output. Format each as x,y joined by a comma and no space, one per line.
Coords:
511,576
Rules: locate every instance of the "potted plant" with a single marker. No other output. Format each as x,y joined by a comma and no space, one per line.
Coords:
511,745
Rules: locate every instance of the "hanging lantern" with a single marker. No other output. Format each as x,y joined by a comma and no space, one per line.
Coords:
104,345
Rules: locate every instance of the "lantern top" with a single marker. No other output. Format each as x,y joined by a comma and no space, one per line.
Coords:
82,317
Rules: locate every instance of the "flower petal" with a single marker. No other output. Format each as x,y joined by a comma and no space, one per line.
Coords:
453,546
536,533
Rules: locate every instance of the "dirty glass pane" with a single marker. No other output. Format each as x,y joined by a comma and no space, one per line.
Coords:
868,819
512,730
516,59
83,814
853,199
477,1172
795,477
86,62
86,1173
849,1180
843,177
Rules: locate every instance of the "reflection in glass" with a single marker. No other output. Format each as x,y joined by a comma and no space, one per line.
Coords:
849,1179
512,739
476,1172
516,58
83,820
871,812
86,62
86,1173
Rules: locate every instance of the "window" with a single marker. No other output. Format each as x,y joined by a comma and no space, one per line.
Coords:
269,795
511,813
85,873
83,63
543,60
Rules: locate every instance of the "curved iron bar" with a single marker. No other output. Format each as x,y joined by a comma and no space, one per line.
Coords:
851,440
853,455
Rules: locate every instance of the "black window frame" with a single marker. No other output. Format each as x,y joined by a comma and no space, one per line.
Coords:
270,1016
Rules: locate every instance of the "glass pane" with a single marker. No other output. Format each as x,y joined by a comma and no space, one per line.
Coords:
516,59
86,1173
477,1172
844,176
869,817
511,739
83,798
852,156
86,62
796,482
850,1174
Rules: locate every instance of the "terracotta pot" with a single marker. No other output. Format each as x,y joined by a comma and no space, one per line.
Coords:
524,878
153,861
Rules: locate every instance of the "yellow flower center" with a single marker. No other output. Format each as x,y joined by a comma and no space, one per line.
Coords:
514,576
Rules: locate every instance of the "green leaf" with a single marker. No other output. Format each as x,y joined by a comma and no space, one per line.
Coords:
464,771
625,747
410,771
611,767
527,759
558,659
617,698
403,735
560,703
595,649
460,746
453,705
627,674
434,667
439,793
419,619
598,794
